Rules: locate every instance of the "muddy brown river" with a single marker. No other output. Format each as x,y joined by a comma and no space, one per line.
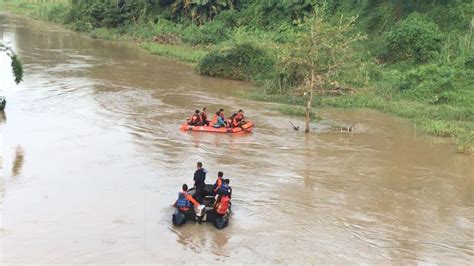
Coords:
92,160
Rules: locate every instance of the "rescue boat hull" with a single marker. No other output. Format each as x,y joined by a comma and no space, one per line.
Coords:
245,128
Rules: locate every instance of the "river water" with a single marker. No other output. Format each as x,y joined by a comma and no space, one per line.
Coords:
92,160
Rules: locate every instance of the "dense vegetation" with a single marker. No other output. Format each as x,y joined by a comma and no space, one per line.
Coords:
416,59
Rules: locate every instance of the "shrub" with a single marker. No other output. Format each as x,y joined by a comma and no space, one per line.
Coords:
242,62
415,38
429,83
469,61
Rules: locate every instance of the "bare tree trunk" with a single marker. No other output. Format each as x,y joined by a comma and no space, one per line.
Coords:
308,110
310,100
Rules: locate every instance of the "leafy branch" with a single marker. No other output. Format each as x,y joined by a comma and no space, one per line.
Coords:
17,68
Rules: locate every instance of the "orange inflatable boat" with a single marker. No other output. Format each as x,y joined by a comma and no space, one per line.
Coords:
247,127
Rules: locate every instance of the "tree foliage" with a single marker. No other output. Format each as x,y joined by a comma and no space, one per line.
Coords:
322,51
90,14
200,11
16,66
414,38
271,13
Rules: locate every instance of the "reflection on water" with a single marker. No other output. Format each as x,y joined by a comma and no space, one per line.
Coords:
99,122
3,117
18,161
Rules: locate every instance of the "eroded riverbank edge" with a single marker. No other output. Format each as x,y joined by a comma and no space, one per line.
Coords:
461,132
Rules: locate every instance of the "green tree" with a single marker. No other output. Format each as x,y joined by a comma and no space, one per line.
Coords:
16,64
414,38
322,51
201,11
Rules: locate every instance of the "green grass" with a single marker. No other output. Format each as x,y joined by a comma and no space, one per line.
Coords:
181,52
296,111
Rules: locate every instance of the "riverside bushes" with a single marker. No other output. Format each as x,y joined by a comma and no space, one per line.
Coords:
414,38
242,62
429,83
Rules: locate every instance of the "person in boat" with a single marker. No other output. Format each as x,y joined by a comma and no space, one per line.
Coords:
185,201
225,188
240,119
216,115
218,182
220,120
195,119
222,205
231,121
228,187
204,120
200,181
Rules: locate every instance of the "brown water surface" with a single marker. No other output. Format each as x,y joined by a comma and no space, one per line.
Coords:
93,160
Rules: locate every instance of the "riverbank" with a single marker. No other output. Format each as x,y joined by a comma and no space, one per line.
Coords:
373,86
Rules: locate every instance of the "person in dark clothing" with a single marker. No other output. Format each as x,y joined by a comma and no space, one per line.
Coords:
225,189
204,120
199,181
229,188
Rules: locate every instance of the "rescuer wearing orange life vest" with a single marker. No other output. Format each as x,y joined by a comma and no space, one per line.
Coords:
222,205
195,119
183,203
231,121
240,119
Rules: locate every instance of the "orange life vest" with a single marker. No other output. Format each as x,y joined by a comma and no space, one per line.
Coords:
194,119
223,205
214,120
230,122
239,117
236,122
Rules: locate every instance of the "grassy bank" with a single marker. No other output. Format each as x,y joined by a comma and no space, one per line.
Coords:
417,61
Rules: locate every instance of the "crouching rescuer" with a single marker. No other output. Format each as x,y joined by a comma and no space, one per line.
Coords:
219,215
184,207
